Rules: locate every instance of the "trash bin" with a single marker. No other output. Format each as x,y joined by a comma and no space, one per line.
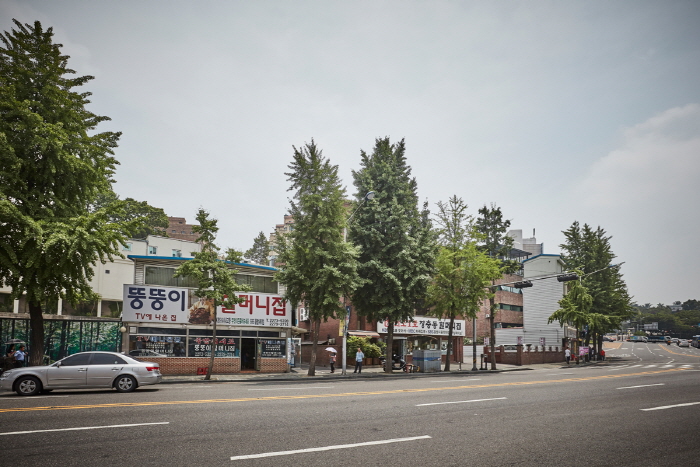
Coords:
428,361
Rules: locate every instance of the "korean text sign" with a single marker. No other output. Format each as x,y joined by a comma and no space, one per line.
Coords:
425,326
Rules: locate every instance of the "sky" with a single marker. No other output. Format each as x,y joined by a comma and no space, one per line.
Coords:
554,111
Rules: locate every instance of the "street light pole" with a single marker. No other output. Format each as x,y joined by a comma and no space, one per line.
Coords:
369,195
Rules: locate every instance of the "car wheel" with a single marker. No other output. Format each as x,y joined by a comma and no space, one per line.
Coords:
28,386
125,383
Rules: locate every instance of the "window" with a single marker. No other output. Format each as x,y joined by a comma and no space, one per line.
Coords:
177,253
184,232
174,231
126,246
263,284
76,360
503,306
164,276
152,250
107,359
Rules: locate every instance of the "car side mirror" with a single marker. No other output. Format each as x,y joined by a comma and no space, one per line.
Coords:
57,364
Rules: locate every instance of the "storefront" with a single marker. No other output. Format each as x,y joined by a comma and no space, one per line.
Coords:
173,327
425,333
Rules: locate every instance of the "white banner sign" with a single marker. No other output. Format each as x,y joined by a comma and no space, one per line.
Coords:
425,326
154,304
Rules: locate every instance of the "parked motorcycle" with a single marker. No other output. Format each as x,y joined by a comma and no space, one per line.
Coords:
398,363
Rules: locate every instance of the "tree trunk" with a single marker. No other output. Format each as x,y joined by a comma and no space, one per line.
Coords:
492,326
388,367
207,377
449,344
314,347
36,324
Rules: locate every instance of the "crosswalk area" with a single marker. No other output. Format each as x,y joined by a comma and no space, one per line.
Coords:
653,365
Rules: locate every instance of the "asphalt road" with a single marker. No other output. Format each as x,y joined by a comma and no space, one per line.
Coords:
640,407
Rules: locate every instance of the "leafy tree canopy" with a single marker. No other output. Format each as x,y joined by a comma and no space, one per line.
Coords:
260,251
143,218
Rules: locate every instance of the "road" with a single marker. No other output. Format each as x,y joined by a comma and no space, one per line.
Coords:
640,407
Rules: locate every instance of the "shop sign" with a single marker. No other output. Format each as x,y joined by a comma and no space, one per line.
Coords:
273,348
226,347
154,304
422,325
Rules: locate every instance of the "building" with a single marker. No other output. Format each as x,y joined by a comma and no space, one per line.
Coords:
179,228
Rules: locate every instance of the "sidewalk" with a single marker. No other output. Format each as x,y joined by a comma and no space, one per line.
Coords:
323,373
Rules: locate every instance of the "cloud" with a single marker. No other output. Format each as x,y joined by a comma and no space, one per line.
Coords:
657,162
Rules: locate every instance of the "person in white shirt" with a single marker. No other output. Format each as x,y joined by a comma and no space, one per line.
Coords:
567,354
359,356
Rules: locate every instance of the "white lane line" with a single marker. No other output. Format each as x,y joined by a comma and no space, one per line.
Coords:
83,428
307,387
35,397
642,386
461,402
670,406
327,448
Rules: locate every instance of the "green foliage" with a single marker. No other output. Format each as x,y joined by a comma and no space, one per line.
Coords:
260,251
142,218
494,242
216,280
52,166
370,349
397,245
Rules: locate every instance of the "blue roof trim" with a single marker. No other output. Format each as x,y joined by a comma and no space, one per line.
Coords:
543,254
248,265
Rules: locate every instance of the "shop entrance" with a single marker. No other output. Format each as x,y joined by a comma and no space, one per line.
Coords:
249,354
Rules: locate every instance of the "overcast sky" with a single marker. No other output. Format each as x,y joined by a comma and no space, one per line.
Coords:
555,111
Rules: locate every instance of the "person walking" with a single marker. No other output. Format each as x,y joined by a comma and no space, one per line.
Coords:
332,360
567,354
20,357
602,355
359,356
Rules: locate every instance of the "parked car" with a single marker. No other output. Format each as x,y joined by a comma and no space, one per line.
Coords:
683,343
674,340
82,370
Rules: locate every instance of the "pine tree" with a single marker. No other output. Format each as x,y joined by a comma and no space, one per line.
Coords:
497,245
319,266
396,241
216,280
463,273
52,166
260,251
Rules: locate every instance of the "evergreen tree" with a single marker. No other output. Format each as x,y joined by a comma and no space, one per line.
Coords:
497,245
319,266
590,252
52,166
260,250
397,245
463,273
216,280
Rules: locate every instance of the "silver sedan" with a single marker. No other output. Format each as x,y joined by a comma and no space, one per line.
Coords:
82,370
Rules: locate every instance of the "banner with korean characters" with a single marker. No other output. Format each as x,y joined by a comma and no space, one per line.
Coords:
155,304
424,325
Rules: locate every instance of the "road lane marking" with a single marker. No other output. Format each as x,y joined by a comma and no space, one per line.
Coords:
82,428
461,402
461,379
346,394
327,448
33,397
642,386
307,387
670,406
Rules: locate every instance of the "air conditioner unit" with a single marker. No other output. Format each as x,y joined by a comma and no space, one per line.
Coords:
303,314
488,316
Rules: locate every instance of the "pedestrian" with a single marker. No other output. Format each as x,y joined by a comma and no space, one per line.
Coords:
567,354
359,356
20,357
332,360
602,354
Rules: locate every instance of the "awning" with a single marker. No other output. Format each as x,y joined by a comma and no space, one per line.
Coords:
298,330
364,334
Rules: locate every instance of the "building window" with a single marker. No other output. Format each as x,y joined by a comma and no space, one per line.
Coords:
503,306
152,250
182,231
177,253
126,246
164,276
174,231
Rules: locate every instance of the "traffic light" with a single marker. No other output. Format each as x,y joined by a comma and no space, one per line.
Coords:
522,285
567,277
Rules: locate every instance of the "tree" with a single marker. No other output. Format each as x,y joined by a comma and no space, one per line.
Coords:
319,266
216,280
590,252
497,245
149,220
396,241
260,250
52,166
463,273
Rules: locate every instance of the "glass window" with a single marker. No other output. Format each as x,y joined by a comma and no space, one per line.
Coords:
76,360
126,246
165,276
152,250
107,359
177,253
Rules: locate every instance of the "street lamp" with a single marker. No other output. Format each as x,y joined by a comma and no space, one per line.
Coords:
369,195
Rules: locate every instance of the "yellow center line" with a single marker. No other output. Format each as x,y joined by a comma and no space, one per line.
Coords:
676,353
345,394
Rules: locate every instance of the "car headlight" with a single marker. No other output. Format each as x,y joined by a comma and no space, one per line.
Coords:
6,374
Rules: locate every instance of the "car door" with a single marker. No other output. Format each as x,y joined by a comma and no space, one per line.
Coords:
71,372
103,368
